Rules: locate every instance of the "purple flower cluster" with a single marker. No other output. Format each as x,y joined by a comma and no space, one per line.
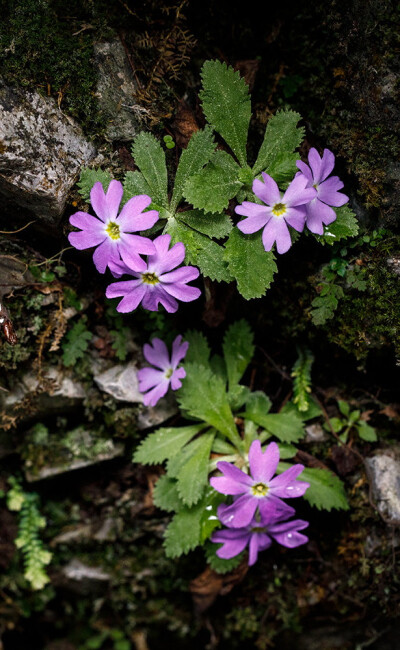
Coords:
157,380
306,201
156,282
258,514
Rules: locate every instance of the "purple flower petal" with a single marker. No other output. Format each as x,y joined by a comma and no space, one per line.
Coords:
296,218
86,221
182,292
287,533
149,377
273,509
157,354
319,213
327,164
328,192
254,223
263,465
240,513
131,218
182,275
315,162
98,201
297,193
153,396
258,542
176,377
130,246
232,546
232,472
165,260
157,295
86,239
104,253
267,190
132,300
117,289
286,486
179,351
277,231
251,209
304,168
113,199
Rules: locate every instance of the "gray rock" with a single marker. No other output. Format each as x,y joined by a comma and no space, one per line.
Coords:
315,433
83,579
156,415
76,449
63,385
116,91
41,152
383,471
120,382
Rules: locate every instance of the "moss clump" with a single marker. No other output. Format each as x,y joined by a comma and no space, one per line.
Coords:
48,45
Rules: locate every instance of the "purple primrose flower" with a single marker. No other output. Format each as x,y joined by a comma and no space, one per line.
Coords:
318,210
157,380
259,490
157,283
258,536
110,233
278,213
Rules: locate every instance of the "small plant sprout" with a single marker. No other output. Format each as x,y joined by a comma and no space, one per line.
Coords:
157,380
111,233
351,421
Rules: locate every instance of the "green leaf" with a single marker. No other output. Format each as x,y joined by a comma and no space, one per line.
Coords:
221,446
326,490
217,365
344,407
120,341
366,432
237,396
218,564
281,137
165,494
287,427
216,225
258,406
183,533
213,187
164,443
209,520
150,158
200,251
199,351
325,305
203,395
76,343
134,184
346,225
313,411
199,151
284,168
192,476
238,350
286,450
249,263
89,177
226,105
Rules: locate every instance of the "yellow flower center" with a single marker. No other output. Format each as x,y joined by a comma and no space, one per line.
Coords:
150,278
279,209
259,489
169,372
112,230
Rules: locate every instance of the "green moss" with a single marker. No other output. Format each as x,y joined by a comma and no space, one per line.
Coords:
47,44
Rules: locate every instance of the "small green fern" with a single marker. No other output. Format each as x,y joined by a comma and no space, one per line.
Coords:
301,374
28,541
